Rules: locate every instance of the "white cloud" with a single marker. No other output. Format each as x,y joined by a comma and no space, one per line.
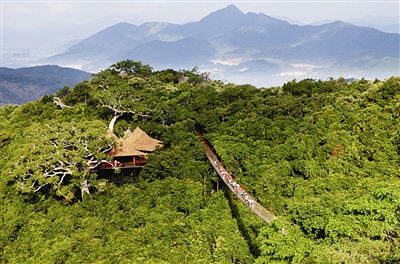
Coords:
42,10
17,9
58,8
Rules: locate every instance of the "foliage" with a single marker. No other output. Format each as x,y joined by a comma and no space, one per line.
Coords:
324,156
55,156
132,67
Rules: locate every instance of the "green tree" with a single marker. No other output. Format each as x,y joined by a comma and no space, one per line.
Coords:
57,157
132,67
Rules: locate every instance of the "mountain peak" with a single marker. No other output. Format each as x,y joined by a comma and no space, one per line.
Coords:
119,28
231,12
232,8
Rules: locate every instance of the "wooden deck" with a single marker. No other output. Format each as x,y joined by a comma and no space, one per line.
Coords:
119,166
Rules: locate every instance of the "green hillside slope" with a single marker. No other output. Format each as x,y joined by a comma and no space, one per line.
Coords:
322,155
19,86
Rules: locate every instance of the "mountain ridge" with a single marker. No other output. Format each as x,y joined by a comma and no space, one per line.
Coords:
18,86
232,34
257,33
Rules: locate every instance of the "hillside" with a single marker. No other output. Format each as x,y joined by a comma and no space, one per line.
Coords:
323,156
19,86
369,62
228,35
181,54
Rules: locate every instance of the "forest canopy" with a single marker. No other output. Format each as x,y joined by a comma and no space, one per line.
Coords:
323,155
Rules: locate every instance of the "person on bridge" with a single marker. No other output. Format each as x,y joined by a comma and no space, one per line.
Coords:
251,203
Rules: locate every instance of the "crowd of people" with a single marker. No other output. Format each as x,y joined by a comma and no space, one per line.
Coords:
229,180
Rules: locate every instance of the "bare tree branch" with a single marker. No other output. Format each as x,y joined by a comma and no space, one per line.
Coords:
40,187
58,102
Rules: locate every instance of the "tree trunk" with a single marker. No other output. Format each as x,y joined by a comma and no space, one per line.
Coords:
113,120
58,102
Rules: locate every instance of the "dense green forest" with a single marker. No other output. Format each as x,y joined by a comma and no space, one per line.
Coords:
324,156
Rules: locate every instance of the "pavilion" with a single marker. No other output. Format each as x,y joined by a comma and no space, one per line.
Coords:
131,150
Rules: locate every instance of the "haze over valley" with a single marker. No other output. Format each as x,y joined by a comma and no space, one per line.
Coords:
232,45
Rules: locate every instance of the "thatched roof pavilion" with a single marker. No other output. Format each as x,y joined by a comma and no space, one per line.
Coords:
136,143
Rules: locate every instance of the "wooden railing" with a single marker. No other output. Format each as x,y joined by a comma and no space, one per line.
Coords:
257,208
120,165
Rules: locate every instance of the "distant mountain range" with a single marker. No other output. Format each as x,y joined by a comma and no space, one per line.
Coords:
239,47
18,86
231,42
385,24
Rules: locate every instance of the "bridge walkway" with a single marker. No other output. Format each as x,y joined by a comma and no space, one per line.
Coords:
243,196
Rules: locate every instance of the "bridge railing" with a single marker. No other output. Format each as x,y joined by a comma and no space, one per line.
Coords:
257,208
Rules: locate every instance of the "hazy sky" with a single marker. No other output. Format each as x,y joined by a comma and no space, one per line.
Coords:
25,15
